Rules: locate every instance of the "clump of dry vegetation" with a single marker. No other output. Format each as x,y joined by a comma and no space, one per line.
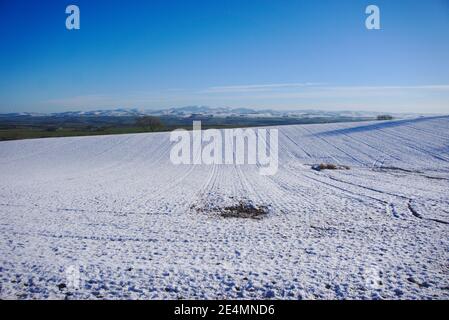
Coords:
329,166
245,209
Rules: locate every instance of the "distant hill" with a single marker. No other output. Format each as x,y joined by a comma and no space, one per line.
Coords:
218,112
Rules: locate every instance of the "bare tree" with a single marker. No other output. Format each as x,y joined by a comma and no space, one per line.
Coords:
150,123
384,117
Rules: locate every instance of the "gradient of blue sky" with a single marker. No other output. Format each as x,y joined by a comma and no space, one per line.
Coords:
290,54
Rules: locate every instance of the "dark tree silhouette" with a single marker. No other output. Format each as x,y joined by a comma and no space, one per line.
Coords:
150,123
384,117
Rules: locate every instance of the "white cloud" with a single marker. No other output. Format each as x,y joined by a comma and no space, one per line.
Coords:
257,87
416,98
311,85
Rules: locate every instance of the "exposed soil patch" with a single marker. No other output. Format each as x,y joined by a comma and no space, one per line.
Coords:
329,166
244,209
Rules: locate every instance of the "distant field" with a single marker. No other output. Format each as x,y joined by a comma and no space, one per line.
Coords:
46,127
33,133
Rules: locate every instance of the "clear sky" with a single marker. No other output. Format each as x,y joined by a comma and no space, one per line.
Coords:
289,54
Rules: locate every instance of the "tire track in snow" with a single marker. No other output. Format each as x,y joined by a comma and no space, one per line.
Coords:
416,214
335,147
411,144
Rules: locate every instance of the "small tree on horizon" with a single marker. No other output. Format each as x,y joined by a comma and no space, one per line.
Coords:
384,117
149,123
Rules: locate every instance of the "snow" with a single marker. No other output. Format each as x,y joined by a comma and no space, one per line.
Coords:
115,214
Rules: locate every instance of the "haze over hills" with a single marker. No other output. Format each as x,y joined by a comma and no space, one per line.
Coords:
219,112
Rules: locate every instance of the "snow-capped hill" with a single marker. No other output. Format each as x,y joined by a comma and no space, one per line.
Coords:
121,112
189,111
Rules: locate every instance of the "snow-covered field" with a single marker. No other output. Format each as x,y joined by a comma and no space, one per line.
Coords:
114,211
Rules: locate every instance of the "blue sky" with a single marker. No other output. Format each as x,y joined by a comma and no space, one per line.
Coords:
261,54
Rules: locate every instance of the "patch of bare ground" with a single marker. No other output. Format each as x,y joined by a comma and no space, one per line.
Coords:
329,166
244,209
